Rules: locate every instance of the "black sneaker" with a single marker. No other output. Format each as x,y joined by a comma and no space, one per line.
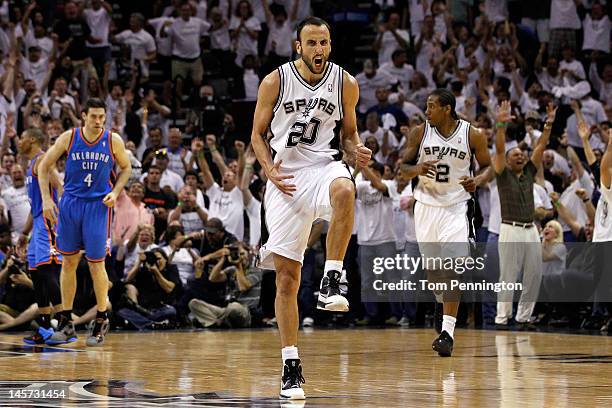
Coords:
330,297
443,344
438,317
97,330
291,382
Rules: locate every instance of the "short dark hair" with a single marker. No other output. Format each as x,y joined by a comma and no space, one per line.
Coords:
316,21
379,167
37,134
397,53
154,167
446,98
94,103
191,173
171,232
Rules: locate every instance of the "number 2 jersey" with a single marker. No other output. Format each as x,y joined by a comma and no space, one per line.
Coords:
89,166
307,118
454,157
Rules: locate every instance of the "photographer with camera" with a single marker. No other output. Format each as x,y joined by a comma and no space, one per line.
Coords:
243,288
152,287
17,305
180,252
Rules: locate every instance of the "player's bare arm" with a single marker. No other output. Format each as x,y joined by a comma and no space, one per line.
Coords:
502,117
409,169
125,165
266,99
351,143
478,140
49,160
606,163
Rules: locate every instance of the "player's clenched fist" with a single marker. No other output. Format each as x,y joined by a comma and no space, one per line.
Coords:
362,155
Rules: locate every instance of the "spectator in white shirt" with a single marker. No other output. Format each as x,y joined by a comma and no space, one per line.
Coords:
141,43
60,98
191,216
98,18
226,203
399,69
35,66
564,22
581,179
219,31
279,45
178,155
390,37
570,67
16,199
603,84
244,31
186,33
384,137
168,178
180,252
369,81
596,27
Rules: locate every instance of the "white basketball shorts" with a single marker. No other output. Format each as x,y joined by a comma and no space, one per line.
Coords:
443,231
289,219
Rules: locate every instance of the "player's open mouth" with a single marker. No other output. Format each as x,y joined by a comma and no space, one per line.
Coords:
318,61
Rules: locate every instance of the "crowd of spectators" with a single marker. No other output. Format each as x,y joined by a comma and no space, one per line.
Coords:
180,81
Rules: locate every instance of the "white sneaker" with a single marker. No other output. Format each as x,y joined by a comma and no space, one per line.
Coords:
291,381
330,296
308,322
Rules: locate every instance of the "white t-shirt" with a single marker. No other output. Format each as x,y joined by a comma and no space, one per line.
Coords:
575,66
603,217
245,45
141,44
191,222
368,86
228,206
403,74
220,39
183,262
408,216
389,44
99,23
175,163
186,36
18,205
375,213
496,10
36,71
573,203
379,135
596,34
45,43
168,178
164,44
563,14
282,36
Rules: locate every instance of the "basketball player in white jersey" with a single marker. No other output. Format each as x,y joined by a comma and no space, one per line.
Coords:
440,154
306,105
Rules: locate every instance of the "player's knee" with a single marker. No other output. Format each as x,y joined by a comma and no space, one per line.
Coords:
287,284
343,191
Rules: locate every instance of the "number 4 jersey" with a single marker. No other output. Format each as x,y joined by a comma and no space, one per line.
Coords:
454,161
307,118
89,166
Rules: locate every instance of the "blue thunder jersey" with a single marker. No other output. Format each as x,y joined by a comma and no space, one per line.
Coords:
89,166
33,187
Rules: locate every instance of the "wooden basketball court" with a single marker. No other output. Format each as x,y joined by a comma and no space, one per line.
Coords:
350,368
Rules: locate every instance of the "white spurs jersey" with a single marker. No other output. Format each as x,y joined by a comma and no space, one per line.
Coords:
307,118
603,219
454,161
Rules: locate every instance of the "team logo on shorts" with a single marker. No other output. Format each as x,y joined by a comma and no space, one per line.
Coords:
330,87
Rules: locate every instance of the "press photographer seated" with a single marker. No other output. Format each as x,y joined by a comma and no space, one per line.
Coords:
154,285
243,288
17,304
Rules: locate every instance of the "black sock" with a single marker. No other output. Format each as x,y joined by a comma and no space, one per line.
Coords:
67,315
101,315
44,320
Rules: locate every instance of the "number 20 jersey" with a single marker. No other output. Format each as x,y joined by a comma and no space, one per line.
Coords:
89,166
454,161
307,118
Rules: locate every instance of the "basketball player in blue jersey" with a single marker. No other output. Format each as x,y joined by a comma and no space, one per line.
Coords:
440,153
43,259
84,221
309,107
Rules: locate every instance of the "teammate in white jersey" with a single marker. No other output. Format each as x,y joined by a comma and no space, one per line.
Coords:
603,219
440,154
306,104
